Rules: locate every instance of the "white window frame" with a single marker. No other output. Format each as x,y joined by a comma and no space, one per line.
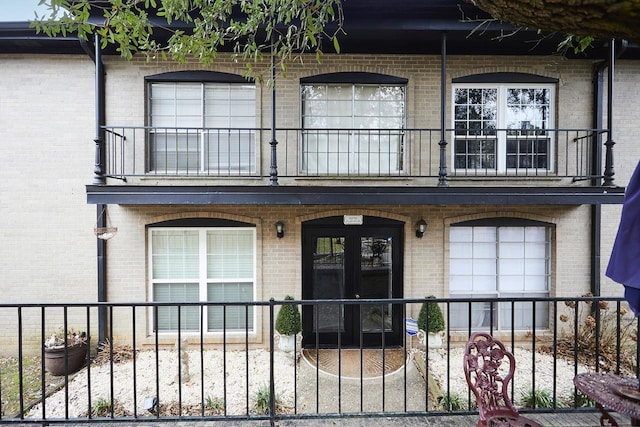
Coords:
203,281
351,137
501,125
500,309
205,133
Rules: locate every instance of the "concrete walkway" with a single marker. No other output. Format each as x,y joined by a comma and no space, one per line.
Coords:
591,419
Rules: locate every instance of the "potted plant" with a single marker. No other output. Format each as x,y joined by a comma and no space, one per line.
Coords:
59,347
288,325
431,321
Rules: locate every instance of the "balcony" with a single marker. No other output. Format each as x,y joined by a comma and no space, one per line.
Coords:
192,372
562,155
224,166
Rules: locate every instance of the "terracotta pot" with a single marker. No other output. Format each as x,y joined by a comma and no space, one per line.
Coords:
54,359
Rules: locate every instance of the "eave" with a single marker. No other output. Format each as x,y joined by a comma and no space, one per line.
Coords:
370,26
359,196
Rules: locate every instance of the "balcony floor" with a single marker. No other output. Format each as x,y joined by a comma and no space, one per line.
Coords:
380,195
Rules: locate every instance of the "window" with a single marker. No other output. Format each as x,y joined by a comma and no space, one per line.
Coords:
353,128
503,127
202,127
203,264
487,261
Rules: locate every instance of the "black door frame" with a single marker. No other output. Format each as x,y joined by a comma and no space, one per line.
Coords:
353,336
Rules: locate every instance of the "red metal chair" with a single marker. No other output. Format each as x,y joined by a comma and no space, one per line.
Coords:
485,360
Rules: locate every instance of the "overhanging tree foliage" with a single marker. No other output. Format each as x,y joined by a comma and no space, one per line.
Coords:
252,28
200,28
596,18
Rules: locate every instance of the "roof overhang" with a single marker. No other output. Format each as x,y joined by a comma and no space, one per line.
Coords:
371,196
370,26
18,37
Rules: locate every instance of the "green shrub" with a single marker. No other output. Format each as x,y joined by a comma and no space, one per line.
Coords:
214,405
262,401
288,321
430,318
579,400
541,398
452,402
101,407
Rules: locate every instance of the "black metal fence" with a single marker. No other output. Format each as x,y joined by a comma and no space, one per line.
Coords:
239,373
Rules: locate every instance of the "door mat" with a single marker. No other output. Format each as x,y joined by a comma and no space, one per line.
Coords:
356,363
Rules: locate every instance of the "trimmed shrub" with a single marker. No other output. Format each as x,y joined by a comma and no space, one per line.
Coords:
430,318
288,321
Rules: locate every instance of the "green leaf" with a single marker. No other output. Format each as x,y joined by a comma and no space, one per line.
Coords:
336,44
126,26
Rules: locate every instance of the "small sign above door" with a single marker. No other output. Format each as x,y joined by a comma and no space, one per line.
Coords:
353,219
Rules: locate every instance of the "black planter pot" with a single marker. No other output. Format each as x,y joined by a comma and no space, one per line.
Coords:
54,359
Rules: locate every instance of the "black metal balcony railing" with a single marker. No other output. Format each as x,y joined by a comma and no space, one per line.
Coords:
349,153
228,375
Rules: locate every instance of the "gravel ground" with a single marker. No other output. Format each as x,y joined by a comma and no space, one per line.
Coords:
217,368
522,378
354,396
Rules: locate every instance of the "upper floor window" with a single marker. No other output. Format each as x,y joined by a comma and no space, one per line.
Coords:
353,127
503,127
200,127
500,258
212,264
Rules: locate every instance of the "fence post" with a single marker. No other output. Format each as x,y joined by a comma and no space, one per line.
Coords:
272,386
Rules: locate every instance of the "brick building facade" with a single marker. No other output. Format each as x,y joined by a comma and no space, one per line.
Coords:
48,249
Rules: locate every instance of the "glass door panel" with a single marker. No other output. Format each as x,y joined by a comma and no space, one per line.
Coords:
354,263
328,276
376,281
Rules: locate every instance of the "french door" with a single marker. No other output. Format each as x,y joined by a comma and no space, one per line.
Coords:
361,262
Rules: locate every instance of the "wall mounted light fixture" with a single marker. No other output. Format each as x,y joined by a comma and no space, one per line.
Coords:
421,227
280,229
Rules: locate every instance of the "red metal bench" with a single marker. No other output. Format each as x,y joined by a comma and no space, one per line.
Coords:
488,376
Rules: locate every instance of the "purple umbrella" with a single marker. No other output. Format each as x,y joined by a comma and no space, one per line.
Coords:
624,264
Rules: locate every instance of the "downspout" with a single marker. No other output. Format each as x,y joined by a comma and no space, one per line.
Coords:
100,179
596,172
608,159
442,171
